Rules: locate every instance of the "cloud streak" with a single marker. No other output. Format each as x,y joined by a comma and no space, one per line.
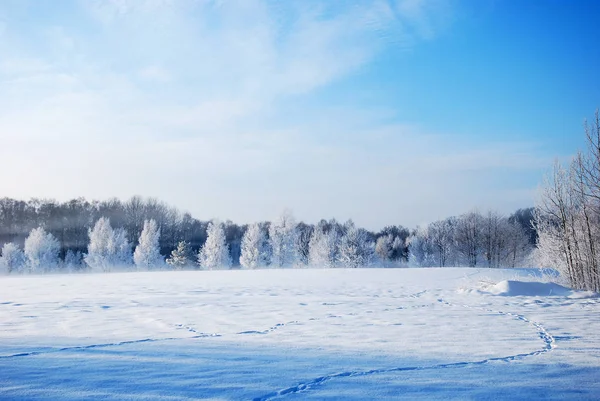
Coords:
201,103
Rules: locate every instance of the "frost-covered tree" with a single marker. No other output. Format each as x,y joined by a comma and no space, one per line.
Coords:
108,247
233,239
122,248
567,218
215,252
355,248
100,247
493,238
384,248
13,258
147,252
399,237
516,246
323,247
255,250
304,234
441,244
420,249
73,261
283,239
469,238
179,258
399,248
505,243
41,251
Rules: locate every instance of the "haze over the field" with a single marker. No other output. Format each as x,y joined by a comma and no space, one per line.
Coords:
240,109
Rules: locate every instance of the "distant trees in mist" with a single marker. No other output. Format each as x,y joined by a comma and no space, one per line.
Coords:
473,239
145,234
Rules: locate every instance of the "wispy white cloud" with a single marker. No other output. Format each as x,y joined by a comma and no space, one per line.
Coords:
183,100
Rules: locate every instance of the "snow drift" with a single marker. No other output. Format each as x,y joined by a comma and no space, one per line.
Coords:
512,288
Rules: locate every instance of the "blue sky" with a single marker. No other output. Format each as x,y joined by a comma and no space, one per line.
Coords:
386,112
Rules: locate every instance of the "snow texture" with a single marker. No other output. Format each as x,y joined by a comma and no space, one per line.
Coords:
314,334
529,288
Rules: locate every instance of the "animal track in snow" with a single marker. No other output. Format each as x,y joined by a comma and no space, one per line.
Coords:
84,347
270,329
544,335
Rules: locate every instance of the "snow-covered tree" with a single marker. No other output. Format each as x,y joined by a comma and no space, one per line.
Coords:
147,253
355,248
323,247
384,248
215,252
419,249
13,258
398,249
282,236
73,261
122,248
179,258
304,234
255,252
100,247
418,252
107,247
41,251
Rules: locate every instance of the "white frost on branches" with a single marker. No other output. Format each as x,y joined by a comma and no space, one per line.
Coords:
355,248
147,253
107,248
41,251
13,258
179,257
323,247
215,252
255,249
282,235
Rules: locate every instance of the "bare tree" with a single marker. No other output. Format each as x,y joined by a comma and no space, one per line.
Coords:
469,238
441,237
567,216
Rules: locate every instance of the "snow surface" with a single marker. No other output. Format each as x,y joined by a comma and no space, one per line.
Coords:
327,334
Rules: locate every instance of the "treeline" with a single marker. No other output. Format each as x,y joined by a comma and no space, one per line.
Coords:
69,222
80,235
474,239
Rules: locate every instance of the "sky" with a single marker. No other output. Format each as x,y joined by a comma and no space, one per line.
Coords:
383,111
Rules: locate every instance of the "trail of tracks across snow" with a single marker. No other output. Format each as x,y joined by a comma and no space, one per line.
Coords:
103,345
409,317
544,335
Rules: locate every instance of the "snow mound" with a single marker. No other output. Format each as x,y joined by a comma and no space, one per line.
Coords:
512,288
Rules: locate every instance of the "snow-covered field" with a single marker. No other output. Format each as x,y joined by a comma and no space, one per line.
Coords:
297,334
